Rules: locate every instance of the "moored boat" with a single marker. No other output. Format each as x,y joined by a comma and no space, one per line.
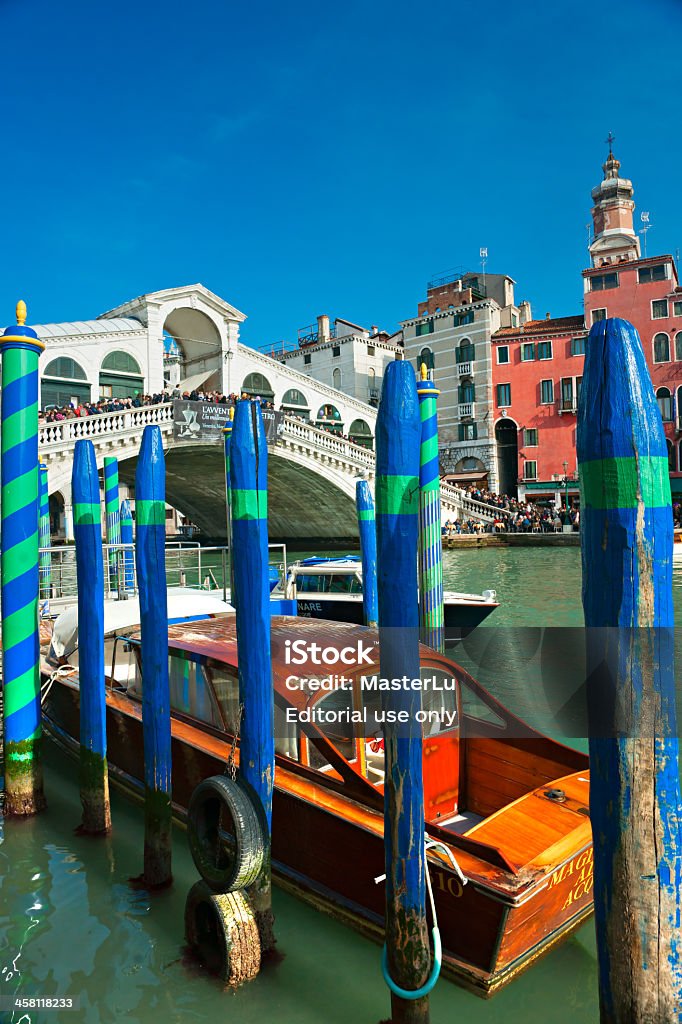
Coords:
513,873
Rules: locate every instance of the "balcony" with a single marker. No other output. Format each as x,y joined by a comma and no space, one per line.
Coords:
467,410
567,405
464,369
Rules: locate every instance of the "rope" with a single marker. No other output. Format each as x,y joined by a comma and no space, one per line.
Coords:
59,673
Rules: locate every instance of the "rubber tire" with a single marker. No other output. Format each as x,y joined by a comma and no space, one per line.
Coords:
222,872
221,930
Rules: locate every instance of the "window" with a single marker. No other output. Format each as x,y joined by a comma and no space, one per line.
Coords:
677,308
544,350
426,358
503,354
514,320
307,359
546,392
258,385
189,693
65,367
460,319
121,362
371,350
567,401
503,395
426,327
672,456
665,404
577,346
659,309
661,348
336,378
647,274
467,432
678,345
466,393
527,352
530,470
336,350
530,437
600,282
466,353
598,314
578,386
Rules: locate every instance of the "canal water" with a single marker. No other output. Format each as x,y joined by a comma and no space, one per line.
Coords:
71,925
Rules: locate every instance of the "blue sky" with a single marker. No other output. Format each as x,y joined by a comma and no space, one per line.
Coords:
302,158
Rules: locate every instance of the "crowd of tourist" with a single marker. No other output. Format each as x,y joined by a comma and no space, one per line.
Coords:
514,517
56,414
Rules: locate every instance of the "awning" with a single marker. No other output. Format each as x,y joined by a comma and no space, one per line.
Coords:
469,478
195,381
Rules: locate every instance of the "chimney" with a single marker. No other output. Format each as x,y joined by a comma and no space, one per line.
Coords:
323,328
524,312
548,316
374,330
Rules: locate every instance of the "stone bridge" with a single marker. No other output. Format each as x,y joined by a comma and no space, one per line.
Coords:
311,477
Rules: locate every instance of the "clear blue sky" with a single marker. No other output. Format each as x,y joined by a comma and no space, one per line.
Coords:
301,157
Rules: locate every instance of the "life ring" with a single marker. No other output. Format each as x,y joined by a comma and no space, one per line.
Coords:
227,833
221,930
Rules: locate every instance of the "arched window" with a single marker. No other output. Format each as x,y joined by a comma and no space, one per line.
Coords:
661,348
257,385
120,376
678,345
294,401
665,404
466,352
64,382
336,378
329,417
121,362
360,433
672,456
426,358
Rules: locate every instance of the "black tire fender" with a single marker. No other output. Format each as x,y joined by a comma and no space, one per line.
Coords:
227,833
221,930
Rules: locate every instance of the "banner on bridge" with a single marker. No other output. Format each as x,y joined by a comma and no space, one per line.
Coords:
204,421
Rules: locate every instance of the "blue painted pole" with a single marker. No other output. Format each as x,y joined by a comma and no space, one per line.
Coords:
44,536
227,435
248,482
87,519
368,547
112,515
126,518
627,537
431,609
397,500
150,555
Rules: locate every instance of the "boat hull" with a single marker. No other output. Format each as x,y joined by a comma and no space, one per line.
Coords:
460,619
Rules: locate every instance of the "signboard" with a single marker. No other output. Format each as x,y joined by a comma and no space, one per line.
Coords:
204,421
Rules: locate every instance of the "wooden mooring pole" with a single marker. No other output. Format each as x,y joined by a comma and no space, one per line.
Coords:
627,537
113,521
397,502
126,518
21,348
45,561
87,520
150,554
431,612
248,483
368,548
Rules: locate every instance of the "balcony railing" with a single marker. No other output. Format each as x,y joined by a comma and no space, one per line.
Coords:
467,410
464,369
568,405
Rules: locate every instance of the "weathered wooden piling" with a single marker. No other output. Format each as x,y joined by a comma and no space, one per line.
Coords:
249,481
20,348
227,436
368,547
150,555
126,519
87,519
112,515
397,502
627,536
45,561
431,613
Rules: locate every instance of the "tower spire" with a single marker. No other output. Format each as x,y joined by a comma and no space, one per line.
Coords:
615,239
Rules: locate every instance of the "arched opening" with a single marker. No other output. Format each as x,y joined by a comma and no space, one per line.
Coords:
665,404
672,456
56,506
329,418
120,376
295,402
506,436
198,348
336,378
426,358
64,381
372,389
257,385
360,433
465,352
661,348
678,345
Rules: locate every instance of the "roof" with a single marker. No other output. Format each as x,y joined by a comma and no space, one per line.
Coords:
78,328
553,325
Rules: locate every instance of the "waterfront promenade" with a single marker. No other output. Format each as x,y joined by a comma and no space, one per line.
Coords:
512,540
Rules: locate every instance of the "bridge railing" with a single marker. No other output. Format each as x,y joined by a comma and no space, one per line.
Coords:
481,509
67,432
324,440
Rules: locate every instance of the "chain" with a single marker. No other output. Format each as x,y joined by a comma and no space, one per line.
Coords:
231,767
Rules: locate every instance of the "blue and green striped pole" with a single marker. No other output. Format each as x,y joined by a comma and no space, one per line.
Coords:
627,541
227,436
406,954
150,554
430,536
112,516
20,348
249,487
126,519
45,561
368,548
87,520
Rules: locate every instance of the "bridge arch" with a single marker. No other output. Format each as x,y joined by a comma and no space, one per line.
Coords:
295,401
257,385
198,338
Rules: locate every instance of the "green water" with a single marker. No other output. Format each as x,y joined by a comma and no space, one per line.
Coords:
70,924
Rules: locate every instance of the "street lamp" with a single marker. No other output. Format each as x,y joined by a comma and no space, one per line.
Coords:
566,483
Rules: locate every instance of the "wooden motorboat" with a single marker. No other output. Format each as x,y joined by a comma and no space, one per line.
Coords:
508,804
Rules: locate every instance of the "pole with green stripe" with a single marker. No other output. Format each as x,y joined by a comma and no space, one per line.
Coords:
126,518
20,348
368,549
407,959
249,483
87,520
627,543
430,536
45,561
227,435
150,555
113,521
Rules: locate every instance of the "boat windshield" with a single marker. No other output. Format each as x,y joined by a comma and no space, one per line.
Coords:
328,583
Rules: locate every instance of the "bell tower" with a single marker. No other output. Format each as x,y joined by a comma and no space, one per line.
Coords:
615,239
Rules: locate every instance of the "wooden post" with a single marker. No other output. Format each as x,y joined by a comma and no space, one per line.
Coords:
112,516
227,436
368,546
87,519
150,553
248,481
126,518
627,534
397,498
45,561
431,612
21,348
